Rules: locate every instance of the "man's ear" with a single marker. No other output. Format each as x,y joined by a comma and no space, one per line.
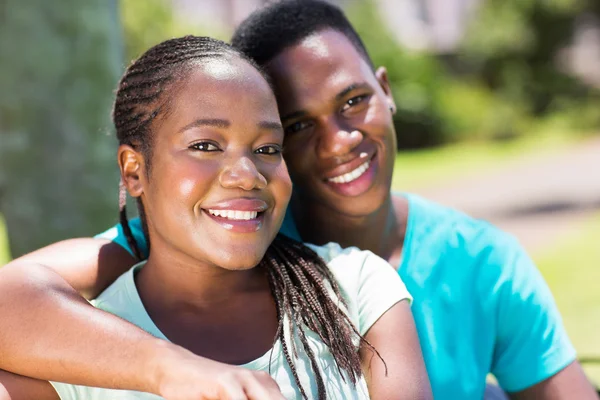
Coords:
382,78
133,174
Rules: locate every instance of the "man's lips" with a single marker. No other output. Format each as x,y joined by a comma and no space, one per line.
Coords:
357,181
359,162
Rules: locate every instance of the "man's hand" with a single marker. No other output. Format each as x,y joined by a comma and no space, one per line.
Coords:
181,375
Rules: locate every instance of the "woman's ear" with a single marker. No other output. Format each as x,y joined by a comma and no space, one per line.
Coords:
382,78
131,164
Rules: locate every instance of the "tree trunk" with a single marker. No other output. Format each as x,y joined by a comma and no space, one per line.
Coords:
60,62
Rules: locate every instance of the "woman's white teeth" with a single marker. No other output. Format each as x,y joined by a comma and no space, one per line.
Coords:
235,214
352,175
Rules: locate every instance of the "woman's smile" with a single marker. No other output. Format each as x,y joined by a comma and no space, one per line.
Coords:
241,215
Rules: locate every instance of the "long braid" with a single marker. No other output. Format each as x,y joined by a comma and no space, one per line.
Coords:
307,293
304,289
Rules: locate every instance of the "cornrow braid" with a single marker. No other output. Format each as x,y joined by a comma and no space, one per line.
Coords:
302,286
140,100
305,291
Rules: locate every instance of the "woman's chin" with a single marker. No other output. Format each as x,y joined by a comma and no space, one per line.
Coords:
242,261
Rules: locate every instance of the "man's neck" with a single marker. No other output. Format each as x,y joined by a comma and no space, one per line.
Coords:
381,232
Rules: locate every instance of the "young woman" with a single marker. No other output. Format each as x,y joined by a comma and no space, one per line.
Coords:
200,149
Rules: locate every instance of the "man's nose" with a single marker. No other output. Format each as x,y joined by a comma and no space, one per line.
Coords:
336,141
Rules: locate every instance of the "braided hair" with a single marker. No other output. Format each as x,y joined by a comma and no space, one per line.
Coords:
300,281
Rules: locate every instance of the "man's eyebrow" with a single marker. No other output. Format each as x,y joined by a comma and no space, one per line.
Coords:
215,122
350,88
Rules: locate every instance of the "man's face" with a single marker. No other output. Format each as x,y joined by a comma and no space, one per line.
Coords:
337,115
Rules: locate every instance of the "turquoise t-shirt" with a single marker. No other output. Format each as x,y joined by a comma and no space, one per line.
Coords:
480,304
369,286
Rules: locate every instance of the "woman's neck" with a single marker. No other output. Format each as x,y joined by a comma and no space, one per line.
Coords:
228,316
176,279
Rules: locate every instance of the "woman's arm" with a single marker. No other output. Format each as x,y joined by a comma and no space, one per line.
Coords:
16,387
394,336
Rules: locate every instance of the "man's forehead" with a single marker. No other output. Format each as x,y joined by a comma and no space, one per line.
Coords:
318,49
318,68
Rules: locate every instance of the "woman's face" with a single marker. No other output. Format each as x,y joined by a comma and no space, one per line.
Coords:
218,186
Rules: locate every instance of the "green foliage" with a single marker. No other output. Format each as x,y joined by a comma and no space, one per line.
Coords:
149,22
501,81
4,249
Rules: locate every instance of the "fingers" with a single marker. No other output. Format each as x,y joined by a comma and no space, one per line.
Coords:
260,386
249,385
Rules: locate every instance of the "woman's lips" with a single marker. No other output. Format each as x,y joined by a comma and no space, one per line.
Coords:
242,221
243,215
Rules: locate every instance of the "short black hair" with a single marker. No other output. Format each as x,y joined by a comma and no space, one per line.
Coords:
272,29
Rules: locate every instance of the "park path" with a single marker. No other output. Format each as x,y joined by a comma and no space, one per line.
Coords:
539,199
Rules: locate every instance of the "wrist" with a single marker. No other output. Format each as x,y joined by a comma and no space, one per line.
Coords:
161,355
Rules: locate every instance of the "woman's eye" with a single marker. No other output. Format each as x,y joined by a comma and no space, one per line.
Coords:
353,102
269,150
296,127
204,146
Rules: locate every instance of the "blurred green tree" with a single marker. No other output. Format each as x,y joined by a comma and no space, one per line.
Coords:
501,80
148,22
60,63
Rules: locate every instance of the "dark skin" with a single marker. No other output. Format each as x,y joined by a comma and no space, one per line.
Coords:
370,219
205,284
201,282
335,110
313,80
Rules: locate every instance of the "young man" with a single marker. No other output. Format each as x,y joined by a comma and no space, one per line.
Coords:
480,305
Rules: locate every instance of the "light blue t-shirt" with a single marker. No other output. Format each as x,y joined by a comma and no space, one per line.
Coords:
367,283
480,304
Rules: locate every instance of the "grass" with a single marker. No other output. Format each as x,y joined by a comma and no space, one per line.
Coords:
572,270
4,252
426,168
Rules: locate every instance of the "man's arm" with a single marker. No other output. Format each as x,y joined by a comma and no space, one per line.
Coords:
570,383
49,332
88,265
533,358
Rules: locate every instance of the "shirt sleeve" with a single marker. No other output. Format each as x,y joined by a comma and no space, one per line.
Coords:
65,391
379,289
117,235
532,344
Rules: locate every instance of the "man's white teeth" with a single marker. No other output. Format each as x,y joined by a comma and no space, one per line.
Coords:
352,175
235,214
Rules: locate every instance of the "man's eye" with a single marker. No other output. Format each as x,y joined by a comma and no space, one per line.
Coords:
296,127
204,146
269,149
353,102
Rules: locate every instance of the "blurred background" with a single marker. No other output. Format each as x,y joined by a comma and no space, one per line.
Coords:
498,115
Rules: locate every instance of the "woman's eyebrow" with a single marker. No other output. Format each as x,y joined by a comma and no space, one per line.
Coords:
271,125
214,122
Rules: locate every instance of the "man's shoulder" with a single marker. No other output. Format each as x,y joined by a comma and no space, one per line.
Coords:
439,224
441,239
